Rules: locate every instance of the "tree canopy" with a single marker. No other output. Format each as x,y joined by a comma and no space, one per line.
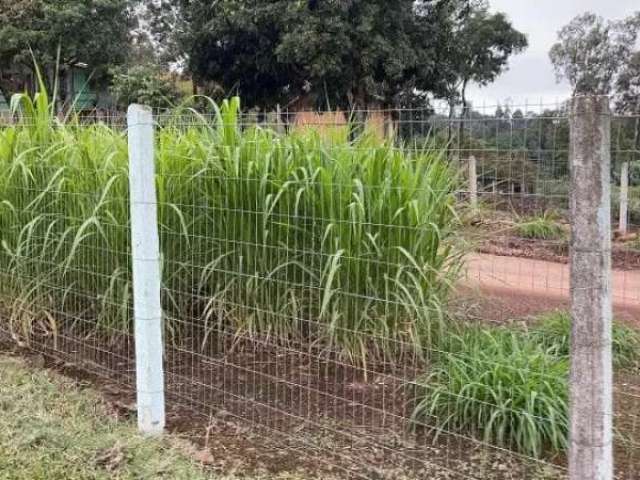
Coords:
591,52
95,32
326,53
479,45
628,86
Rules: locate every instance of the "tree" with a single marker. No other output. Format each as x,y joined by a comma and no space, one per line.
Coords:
601,57
168,22
233,43
275,51
628,86
477,46
590,51
628,102
95,32
478,49
355,53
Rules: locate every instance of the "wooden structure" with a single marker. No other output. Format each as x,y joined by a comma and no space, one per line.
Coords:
376,123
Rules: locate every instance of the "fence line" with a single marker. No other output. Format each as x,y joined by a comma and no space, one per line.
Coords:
383,305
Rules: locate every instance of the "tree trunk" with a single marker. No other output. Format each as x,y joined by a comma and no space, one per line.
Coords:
465,108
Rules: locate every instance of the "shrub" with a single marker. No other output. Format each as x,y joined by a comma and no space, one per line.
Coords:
553,333
350,244
501,388
544,227
142,84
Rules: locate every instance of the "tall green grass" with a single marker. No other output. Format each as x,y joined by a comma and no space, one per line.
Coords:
553,333
509,387
346,243
500,387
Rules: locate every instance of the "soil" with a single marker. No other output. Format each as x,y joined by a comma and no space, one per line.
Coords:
260,407
623,256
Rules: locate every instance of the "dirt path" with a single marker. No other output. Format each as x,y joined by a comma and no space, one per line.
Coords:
536,282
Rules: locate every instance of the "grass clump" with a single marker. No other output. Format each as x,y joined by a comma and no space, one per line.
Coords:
553,333
543,227
294,237
510,388
500,387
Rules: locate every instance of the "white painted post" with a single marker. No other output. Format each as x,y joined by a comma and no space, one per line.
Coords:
624,198
473,182
146,271
591,398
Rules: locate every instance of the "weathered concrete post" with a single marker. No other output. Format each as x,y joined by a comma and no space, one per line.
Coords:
147,310
473,182
590,456
624,198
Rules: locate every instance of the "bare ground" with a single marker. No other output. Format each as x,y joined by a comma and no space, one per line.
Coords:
264,409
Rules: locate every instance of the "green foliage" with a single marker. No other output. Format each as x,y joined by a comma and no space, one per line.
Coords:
544,227
502,388
292,237
478,49
372,52
96,33
553,333
509,388
345,54
144,85
607,44
628,89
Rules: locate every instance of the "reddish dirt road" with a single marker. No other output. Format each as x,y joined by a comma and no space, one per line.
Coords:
530,286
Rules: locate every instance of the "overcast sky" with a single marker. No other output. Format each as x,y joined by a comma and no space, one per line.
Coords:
531,77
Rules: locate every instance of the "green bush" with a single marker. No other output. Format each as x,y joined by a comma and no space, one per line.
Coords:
553,333
544,227
500,387
143,84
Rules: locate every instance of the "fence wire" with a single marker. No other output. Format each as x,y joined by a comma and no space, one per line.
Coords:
371,294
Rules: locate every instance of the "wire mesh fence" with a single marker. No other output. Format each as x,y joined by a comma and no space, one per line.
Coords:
377,294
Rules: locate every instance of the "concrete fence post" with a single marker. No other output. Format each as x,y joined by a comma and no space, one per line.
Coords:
280,129
146,272
591,455
624,198
473,182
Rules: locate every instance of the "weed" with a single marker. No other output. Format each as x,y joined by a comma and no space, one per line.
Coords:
544,227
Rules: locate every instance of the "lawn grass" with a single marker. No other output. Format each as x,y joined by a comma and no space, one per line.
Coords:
51,429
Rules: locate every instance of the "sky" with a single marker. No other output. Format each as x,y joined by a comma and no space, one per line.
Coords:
531,78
